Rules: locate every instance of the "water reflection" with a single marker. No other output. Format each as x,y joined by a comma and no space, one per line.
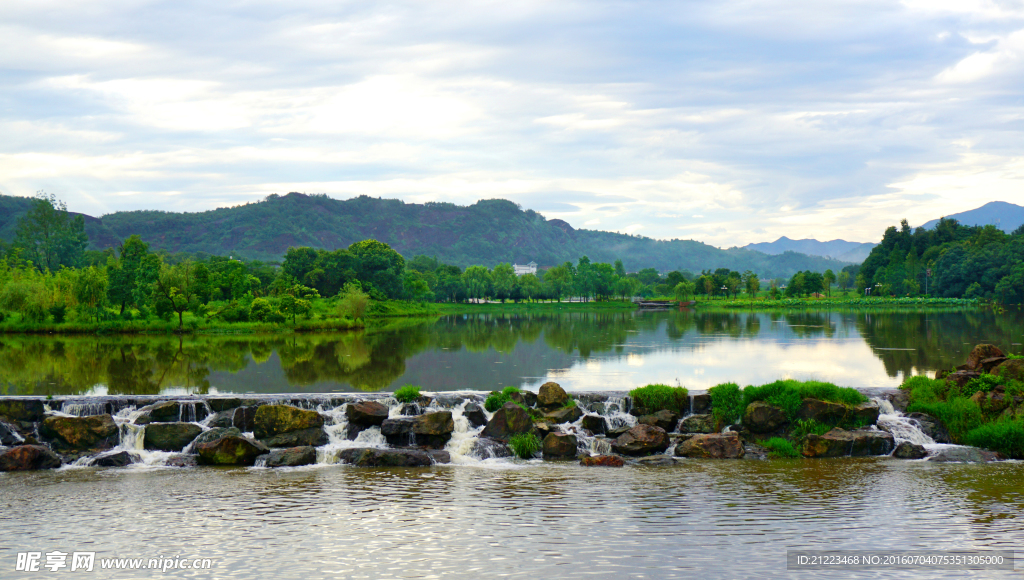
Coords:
583,351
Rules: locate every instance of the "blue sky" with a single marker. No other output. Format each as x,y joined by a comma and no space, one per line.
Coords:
729,122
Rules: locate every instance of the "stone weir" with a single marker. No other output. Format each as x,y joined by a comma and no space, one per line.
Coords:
377,430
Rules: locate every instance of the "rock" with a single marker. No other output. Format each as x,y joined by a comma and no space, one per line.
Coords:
314,436
507,421
664,418
840,443
398,431
9,435
961,378
170,436
656,461
700,404
224,404
27,458
930,426
366,413
271,420
243,418
762,417
641,440
867,413
595,424
980,353
525,397
990,363
712,446
697,424
290,457
30,410
963,454
551,395
164,411
598,407
433,429
543,427
439,455
474,414
908,450
216,433
371,457
489,448
1011,369
182,460
899,400
224,419
411,410
754,452
119,459
92,432
564,415
559,446
602,461
823,411
616,431
230,450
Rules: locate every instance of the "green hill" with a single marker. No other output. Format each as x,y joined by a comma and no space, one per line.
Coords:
485,233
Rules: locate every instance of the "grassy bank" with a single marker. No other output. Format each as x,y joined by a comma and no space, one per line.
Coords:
823,303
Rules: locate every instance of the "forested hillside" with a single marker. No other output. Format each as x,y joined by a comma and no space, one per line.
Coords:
485,233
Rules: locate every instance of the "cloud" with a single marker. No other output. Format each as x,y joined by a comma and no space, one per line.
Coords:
729,123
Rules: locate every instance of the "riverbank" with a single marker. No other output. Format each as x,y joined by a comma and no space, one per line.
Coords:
839,303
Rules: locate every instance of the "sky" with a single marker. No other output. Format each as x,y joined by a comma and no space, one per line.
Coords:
725,122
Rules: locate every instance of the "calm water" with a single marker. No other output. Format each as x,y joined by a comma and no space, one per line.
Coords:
701,519
581,351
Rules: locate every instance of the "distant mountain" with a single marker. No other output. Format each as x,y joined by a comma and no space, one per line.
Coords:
838,249
485,233
1006,216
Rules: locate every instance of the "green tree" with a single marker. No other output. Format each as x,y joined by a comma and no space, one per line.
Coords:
530,286
130,277
49,237
379,266
752,284
90,289
504,280
828,278
559,281
477,280
175,288
683,290
354,301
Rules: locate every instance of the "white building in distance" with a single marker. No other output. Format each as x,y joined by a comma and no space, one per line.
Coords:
530,268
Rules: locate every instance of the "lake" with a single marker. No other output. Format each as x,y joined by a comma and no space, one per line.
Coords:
588,351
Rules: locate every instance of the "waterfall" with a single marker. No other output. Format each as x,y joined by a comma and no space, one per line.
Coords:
899,426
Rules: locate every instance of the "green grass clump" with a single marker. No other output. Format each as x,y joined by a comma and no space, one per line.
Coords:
960,415
726,402
569,403
1007,437
407,394
779,447
808,426
495,401
654,398
524,445
789,394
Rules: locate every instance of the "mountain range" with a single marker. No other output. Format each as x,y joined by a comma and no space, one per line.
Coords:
485,233
1006,216
837,249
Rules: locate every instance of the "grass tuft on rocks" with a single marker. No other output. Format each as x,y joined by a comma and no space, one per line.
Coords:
1006,437
726,402
524,445
496,400
779,447
656,397
407,394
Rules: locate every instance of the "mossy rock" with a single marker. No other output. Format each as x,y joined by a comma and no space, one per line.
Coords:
30,410
1012,369
230,450
507,421
170,436
79,433
271,420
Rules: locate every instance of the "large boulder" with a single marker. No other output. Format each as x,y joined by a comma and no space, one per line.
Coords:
216,433
963,454
697,424
981,352
559,446
366,413
27,458
596,424
271,420
474,414
290,457
1011,369
230,450
507,421
840,443
908,450
712,446
433,429
602,461
372,457
164,411
867,413
525,397
930,426
762,417
398,431
119,459
314,436
961,378
822,411
551,395
664,418
489,448
80,433
244,418
29,410
170,436
564,415
9,436
223,419
641,440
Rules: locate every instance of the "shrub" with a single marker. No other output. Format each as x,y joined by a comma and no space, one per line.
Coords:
726,402
524,445
497,399
1004,436
960,415
276,318
657,397
407,394
353,302
830,392
260,310
789,394
924,390
808,426
779,447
